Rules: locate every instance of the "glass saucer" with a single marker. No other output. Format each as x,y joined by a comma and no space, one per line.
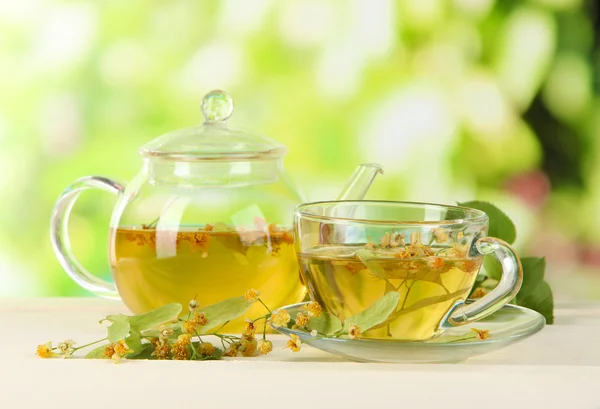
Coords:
506,326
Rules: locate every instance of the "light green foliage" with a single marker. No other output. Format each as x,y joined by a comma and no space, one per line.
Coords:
326,324
119,327
224,311
500,225
375,314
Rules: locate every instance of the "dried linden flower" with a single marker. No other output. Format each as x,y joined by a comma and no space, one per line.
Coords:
200,319
264,346
479,292
294,343
45,350
280,318
66,348
193,305
165,331
302,319
180,348
252,295
354,332
482,335
206,348
233,350
116,351
314,309
161,350
440,235
188,327
435,263
248,346
249,328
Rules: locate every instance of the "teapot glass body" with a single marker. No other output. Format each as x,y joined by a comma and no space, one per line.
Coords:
208,230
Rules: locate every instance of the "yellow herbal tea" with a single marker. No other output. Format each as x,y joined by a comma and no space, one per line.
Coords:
347,279
154,267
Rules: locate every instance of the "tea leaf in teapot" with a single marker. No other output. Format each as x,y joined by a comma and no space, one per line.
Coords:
154,318
96,353
500,225
224,311
326,323
375,314
536,293
119,328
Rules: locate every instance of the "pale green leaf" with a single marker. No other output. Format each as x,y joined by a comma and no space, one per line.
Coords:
375,314
224,311
501,226
326,323
154,318
155,333
119,327
134,342
97,353
145,352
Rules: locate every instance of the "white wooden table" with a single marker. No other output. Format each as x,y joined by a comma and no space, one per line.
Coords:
557,368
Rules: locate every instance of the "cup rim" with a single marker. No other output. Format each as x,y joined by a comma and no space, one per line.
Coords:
477,215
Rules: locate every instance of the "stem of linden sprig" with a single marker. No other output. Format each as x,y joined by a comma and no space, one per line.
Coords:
264,305
86,345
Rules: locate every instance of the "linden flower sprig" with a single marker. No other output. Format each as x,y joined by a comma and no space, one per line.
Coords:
163,334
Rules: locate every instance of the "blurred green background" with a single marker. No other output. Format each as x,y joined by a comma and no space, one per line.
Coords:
458,99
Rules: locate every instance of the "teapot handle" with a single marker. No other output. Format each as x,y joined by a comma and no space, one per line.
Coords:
60,237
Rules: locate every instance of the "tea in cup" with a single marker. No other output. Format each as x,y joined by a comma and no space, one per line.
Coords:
352,253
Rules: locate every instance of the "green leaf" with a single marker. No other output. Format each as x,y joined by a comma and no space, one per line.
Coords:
539,300
119,328
218,354
154,318
533,272
145,352
501,226
327,323
375,314
134,342
96,353
155,333
224,311
535,293
492,268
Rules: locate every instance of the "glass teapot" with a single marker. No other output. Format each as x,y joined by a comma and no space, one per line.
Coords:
208,216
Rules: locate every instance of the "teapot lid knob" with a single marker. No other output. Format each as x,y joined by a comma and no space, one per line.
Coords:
217,106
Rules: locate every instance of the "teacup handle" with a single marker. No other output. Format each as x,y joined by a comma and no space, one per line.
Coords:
507,288
59,235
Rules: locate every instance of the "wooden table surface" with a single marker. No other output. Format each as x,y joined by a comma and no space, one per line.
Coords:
556,368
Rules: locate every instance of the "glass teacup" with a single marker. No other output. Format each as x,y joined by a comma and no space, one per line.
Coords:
353,252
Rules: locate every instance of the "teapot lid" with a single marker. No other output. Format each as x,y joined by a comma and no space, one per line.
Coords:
213,140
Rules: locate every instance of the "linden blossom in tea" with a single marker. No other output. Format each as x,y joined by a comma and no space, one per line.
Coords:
429,280
211,263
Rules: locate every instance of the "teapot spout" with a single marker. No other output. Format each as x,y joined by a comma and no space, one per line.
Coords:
360,181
